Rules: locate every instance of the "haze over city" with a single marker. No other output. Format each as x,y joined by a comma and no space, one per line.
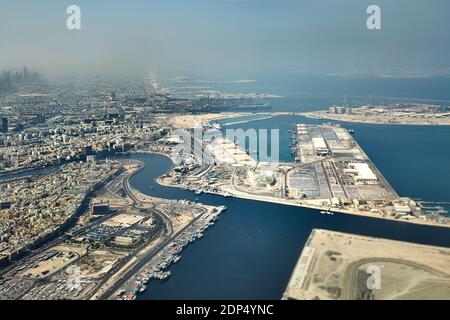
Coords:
274,151
223,37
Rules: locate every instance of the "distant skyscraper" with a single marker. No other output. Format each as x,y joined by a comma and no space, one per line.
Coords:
4,128
40,118
19,127
370,100
26,75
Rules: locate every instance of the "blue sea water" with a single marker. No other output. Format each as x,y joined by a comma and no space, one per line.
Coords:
306,92
414,159
251,251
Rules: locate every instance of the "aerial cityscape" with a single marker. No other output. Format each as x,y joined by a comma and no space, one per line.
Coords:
248,176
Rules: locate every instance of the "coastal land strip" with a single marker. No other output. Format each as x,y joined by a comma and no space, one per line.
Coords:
341,266
331,174
362,115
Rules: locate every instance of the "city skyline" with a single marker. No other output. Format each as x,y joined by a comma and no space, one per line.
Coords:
230,38
261,150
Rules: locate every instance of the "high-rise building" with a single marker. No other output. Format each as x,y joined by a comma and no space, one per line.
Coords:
4,127
26,75
40,118
19,127
339,110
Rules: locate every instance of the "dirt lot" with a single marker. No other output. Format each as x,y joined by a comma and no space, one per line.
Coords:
336,265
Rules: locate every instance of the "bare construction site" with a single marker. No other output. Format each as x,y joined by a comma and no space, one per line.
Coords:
341,266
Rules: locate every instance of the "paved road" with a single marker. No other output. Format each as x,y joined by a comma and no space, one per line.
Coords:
350,290
148,256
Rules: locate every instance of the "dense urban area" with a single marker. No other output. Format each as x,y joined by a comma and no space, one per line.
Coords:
73,227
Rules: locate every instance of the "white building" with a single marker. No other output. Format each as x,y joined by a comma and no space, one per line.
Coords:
362,173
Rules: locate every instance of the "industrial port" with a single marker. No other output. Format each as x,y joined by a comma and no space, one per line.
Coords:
73,227
331,173
399,113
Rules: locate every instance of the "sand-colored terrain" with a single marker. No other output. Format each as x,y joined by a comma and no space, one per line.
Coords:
189,121
340,266
123,220
53,261
388,118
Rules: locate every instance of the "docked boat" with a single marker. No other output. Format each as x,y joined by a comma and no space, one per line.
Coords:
142,288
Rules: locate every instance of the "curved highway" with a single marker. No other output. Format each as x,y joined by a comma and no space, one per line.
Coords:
144,259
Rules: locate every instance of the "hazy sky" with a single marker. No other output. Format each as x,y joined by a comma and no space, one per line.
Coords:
222,37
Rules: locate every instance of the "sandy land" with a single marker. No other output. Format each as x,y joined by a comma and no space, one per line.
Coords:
378,119
189,121
66,254
186,121
341,266
123,270
123,220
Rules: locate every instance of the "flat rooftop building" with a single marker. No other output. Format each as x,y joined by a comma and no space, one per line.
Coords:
319,143
362,172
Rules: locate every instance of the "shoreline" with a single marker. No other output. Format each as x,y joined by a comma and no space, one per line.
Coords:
318,115
241,195
308,206
146,252
354,250
236,193
367,120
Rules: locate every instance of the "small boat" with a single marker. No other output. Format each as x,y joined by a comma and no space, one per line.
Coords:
142,288
216,126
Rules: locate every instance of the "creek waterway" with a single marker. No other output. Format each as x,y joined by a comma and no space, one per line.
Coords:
251,251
